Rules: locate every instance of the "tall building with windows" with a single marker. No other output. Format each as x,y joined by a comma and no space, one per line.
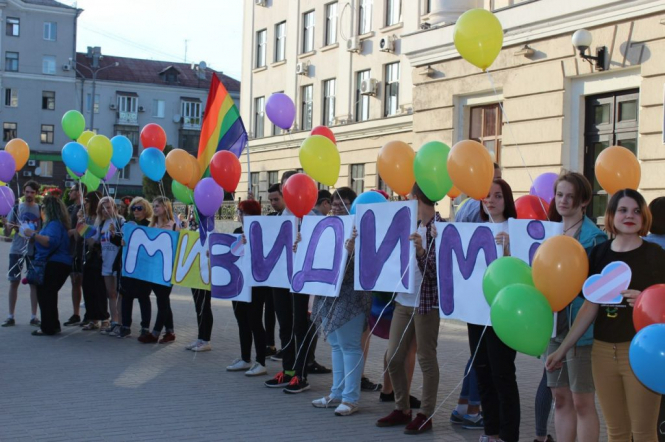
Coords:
342,64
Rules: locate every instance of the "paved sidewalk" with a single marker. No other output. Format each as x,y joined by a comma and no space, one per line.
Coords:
86,386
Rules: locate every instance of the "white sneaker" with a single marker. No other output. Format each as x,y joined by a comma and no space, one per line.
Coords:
238,365
326,402
192,344
202,346
346,409
256,370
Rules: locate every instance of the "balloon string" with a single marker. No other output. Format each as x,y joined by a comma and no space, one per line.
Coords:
517,146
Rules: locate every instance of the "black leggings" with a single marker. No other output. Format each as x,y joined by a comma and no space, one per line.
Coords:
250,325
94,293
164,314
131,289
55,275
270,319
203,313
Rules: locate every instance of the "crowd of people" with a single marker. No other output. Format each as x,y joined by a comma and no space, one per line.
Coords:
587,358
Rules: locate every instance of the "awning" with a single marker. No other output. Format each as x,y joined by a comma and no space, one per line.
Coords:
190,99
127,94
45,156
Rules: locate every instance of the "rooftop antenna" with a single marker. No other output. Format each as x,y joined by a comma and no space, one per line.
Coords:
186,50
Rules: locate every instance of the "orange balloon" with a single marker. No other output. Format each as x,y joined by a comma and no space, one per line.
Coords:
395,165
560,268
471,168
195,177
454,193
617,168
18,149
179,166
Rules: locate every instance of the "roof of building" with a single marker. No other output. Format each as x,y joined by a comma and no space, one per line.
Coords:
48,3
137,70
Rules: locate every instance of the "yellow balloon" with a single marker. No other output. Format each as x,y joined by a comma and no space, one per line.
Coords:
100,150
478,37
85,137
320,159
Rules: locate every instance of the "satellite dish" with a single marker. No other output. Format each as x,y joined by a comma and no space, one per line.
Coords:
203,66
38,171
176,118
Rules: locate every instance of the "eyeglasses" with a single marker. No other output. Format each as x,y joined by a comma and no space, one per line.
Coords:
137,208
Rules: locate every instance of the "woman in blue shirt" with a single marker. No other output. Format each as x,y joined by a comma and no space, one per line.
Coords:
52,246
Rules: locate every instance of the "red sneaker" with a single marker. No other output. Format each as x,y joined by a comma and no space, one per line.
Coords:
168,337
148,338
419,425
397,417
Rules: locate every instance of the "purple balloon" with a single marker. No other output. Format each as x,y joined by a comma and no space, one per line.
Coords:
111,172
281,110
208,196
543,186
7,166
7,200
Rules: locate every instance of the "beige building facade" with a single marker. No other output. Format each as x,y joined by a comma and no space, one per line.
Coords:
541,109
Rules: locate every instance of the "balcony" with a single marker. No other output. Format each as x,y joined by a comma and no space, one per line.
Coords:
131,118
191,123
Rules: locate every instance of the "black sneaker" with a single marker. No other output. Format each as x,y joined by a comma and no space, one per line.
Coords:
280,380
270,351
277,356
387,397
124,332
296,385
84,323
73,320
35,322
316,368
9,322
367,385
414,403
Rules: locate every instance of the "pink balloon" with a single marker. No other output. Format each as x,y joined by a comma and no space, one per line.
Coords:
111,172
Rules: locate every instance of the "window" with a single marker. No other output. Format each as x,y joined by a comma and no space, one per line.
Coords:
357,178
306,108
50,31
329,102
11,61
48,100
158,108
47,134
365,17
191,113
273,177
259,109
127,109
89,104
383,186
391,93
362,101
123,173
132,133
331,23
48,65
393,12
308,32
9,131
11,97
46,169
13,26
486,128
261,37
254,183
280,41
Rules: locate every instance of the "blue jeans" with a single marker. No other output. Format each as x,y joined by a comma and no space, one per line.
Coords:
470,386
347,360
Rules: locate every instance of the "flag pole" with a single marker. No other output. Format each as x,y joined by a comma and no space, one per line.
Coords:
249,173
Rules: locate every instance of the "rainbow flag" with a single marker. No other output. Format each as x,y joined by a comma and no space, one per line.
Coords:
85,230
222,127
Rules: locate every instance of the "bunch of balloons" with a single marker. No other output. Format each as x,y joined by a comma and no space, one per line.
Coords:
12,159
617,168
647,349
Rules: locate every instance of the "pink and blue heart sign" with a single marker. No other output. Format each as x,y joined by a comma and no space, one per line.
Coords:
606,288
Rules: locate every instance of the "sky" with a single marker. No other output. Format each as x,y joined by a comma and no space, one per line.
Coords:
157,29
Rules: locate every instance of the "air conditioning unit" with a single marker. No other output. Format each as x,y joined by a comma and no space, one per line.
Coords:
354,44
368,87
387,44
141,109
26,173
302,68
66,67
32,163
113,106
261,3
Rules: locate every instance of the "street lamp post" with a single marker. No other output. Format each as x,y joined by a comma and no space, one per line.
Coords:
94,71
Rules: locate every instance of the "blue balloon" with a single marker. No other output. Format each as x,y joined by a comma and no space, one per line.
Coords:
75,156
369,197
153,163
122,151
647,357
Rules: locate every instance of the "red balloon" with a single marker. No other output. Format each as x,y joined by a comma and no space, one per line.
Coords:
225,170
326,132
650,307
531,207
153,135
300,194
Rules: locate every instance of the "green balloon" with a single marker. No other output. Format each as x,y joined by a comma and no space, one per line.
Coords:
99,172
522,318
72,174
503,272
431,170
73,123
91,181
182,193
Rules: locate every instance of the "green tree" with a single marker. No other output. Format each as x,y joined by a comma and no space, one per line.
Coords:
151,188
